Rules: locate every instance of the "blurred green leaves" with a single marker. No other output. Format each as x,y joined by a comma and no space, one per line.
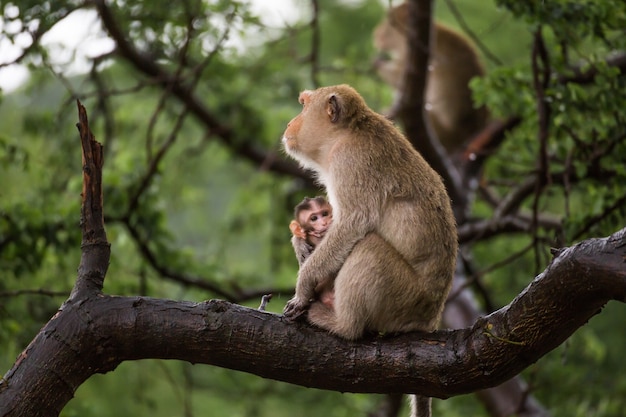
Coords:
206,212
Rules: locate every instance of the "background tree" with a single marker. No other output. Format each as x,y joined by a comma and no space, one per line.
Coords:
189,100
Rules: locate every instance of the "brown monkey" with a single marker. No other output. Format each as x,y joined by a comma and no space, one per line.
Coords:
312,218
453,63
391,219
392,246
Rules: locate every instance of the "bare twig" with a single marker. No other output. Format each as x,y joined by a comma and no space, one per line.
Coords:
461,20
315,44
264,300
541,79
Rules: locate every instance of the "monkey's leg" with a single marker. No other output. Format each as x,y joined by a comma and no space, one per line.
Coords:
347,316
373,291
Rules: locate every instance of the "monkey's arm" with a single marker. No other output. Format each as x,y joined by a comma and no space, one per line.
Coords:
325,262
302,249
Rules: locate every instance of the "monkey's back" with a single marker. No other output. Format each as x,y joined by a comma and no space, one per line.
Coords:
410,210
454,62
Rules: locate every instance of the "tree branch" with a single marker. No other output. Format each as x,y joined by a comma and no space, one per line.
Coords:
588,75
96,250
184,93
69,349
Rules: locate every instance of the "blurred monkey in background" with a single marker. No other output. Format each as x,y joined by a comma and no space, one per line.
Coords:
453,63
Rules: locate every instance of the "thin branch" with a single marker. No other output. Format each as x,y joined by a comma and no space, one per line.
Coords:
473,231
236,295
461,20
485,144
515,197
588,75
36,36
618,204
38,291
181,278
154,160
503,262
244,147
541,80
315,44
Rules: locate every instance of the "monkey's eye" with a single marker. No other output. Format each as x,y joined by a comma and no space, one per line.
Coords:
325,214
314,218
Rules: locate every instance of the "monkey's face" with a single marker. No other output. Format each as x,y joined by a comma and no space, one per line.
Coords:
316,221
323,122
308,134
390,41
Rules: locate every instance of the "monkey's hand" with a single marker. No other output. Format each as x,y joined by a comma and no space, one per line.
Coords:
295,308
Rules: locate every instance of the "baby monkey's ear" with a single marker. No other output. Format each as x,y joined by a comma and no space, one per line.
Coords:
297,230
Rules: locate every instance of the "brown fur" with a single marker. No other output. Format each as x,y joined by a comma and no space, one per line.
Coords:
392,244
453,63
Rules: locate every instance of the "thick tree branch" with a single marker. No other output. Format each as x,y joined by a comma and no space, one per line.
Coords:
96,333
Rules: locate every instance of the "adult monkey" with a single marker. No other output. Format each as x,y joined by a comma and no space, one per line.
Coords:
392,244
453,63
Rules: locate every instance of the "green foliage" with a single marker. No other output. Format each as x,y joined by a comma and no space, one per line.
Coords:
204,211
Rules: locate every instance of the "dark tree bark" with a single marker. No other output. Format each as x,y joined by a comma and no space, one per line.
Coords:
93,332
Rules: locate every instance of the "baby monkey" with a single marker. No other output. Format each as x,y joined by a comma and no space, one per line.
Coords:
312,218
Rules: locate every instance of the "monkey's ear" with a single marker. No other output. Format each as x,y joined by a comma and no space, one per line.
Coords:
333,108
297,230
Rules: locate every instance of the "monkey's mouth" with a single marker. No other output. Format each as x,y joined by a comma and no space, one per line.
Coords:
319,233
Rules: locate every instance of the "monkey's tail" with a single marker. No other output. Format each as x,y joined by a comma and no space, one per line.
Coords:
420,406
